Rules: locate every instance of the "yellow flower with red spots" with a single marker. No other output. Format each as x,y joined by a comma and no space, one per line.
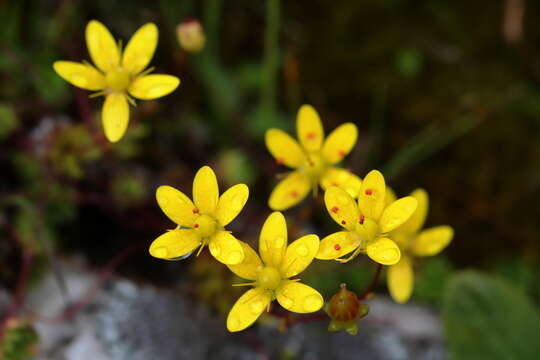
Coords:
312,159
415,242
367,224
202,221
118,74
271,273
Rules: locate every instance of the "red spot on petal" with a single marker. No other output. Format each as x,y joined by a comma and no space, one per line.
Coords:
280,161
342,153
343,222
311,135
361,220
295,194
337,247
335,209
196,226
369,192
334,184
195,211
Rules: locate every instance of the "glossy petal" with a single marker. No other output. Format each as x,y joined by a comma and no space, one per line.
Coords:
205,190
273,239
101,46
372,194
341,207
342,178
337,245
339,143
153,86
284,148
248,308
140,48
250,267
231,202
416,221
115,116
400,280
397,213
177,206
84,76
226,248
384,251
299,255
175,243
432,241
300,298
309,128
289,191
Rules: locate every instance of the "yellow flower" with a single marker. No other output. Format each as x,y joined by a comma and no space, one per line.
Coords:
271,275
415,242
201,223
367,224
312,159
118,74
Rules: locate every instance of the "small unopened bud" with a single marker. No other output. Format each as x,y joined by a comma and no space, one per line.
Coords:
191,35
344,308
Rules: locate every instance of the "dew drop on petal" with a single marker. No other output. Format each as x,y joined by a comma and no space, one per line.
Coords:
389,255
279,241
312,303
256,307
234,257
214,249
285,301
302,250
237,202
343,200
233,323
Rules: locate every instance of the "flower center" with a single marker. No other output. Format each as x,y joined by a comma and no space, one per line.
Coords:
367,228
205,225
314,165
269,278
118,79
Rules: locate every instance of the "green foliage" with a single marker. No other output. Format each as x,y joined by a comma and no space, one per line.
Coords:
236,167
409,62
488,318
8,121
19,342
432,280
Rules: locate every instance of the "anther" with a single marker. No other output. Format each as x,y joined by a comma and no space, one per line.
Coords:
343,222
337,247
196,226
361,220
195,211
369,192
335,209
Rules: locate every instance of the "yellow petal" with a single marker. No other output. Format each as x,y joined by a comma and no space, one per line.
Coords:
289,191
341,207
231,203
250,267
284,148
177,206
140,48
400,280
309,128
101,46
339,143
115,116
248,308
432,241
384,251
153,86
342,178
84,76
389,197
175,243
372,194
397,213
416,221
299,255
298,297
337,245
205,190
226,248
273,239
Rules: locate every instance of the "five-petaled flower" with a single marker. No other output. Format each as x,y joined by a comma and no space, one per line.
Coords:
415,242
118,74
312,159
271,275
367,224
202,222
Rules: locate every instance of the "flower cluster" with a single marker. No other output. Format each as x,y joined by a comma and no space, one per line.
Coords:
373,221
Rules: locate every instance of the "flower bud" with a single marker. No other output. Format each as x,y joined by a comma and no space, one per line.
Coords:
344,308
191,36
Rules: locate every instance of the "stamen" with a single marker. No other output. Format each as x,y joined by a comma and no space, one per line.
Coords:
196,226
343,222
335,209
337,247
195,211
245,284
369,192
361,220
96,94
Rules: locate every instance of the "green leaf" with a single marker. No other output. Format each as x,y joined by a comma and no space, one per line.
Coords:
488,318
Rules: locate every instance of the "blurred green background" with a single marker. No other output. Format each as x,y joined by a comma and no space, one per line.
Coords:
445,95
